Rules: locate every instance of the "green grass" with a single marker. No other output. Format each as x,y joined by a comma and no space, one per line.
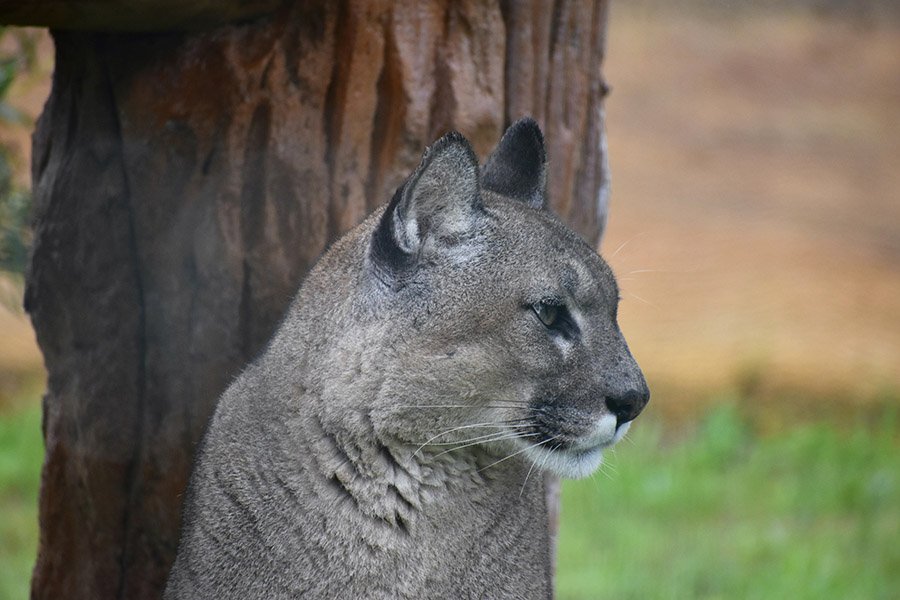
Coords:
21,454
809,512
720,512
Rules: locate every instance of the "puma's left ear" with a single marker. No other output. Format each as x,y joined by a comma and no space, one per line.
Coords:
518,166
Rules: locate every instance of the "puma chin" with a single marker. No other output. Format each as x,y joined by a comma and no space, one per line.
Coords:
580,458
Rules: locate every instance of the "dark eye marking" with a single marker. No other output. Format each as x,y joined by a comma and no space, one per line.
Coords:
555,316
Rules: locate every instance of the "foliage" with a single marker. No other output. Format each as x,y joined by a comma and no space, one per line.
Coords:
15,209
15,202
21,453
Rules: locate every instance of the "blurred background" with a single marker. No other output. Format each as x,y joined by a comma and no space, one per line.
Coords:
755,231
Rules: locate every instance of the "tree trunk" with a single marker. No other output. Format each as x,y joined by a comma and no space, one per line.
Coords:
185,182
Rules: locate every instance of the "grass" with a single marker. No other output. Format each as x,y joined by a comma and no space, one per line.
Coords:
812,511
809,512
21,454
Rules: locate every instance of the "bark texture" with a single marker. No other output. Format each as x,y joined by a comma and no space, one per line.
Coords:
185,182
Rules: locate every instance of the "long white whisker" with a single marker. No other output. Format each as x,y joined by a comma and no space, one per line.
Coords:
507,436
434,437
647,302
691,270
472,439
475,406
496,462
622,245
608,470
527,475
625,243
544,460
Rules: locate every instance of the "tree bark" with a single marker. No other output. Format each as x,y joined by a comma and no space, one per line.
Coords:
185,182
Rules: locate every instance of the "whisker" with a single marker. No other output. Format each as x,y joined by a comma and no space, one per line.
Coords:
472,439
691,270
472,426
544,460
531,408
476,406
496,462
528,474
497,438
613,470
595,481
636,297
625,243
602,470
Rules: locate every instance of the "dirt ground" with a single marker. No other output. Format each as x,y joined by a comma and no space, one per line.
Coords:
755,220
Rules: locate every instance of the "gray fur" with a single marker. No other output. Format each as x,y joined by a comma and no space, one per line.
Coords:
324,473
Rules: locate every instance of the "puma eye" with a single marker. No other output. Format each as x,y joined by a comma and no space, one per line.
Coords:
547,313
556,318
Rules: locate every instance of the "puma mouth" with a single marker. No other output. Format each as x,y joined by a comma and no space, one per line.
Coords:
579,458
571,464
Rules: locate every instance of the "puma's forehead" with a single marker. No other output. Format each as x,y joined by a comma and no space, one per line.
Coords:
589,282
553,254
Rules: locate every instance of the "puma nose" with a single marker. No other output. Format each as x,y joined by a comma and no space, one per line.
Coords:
628,405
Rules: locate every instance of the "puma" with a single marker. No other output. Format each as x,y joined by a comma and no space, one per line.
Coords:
392,440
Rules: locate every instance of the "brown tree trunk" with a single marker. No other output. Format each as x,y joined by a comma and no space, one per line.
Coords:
185,182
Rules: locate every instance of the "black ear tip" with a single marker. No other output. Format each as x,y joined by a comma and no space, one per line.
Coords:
517,167
526,128
527,136
456,140
452,137
529,125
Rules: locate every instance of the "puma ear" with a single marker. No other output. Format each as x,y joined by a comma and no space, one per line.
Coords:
440,202
518,166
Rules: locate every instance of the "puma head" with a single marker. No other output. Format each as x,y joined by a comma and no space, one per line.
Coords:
504,320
